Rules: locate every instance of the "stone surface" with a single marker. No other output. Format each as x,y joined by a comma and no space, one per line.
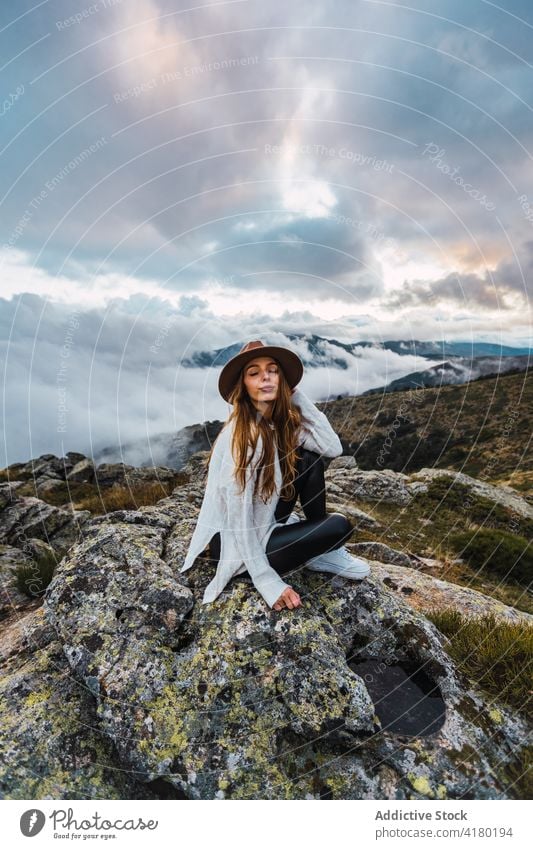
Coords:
51,746
385,554
23,518
503,495
424,592
122,684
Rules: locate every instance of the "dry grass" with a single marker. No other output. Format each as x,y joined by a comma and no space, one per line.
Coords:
125,497
496,655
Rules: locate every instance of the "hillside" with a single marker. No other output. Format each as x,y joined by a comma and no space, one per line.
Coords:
482,428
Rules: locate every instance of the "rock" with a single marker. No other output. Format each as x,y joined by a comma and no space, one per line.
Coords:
197,469
75,457
360,519
386,486
108,474
424,592
50,744
232,698
8,492
47,465
497,494
124,685
82,472
12,633
113,474
44,486
342,462
385,554
26,517
345,482
162,516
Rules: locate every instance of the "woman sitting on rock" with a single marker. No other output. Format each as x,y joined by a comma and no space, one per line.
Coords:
268,454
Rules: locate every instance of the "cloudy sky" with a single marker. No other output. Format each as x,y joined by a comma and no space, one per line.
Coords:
181,176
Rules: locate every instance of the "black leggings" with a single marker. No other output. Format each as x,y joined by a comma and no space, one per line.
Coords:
293,545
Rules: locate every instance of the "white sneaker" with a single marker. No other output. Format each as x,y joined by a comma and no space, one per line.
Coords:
340,562
293,518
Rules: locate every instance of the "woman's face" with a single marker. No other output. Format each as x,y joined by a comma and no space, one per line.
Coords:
261,378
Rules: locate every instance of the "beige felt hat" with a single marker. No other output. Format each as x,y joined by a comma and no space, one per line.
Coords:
290,362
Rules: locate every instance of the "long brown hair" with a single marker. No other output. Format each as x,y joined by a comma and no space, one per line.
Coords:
249,423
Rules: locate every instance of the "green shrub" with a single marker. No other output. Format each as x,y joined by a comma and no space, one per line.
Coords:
506,554
32,580
446,492
497,655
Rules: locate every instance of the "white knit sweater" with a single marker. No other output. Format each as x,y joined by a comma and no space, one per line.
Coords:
245,523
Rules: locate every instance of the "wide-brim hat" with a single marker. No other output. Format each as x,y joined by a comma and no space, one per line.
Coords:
290,362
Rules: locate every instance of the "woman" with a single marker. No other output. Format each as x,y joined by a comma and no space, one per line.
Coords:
268,454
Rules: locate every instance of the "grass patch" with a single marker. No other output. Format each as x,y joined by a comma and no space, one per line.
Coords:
520,774
501,552
426,525
32,580
496,655
445,493
88,496
60,496
125,497
521,480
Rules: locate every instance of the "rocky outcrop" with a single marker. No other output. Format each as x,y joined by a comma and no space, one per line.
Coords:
123,684
51,744
25,518
398,488
111,474
172,450
386,485
82,472
385,554
503,495
424,592
49,472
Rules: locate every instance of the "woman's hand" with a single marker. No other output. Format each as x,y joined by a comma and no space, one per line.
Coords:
288,598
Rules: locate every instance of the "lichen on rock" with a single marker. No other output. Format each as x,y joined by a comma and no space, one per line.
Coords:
124,666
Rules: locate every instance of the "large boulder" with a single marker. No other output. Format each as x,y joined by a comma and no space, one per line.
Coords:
124,685
51,746
26,517
425,592
502,495
234,700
